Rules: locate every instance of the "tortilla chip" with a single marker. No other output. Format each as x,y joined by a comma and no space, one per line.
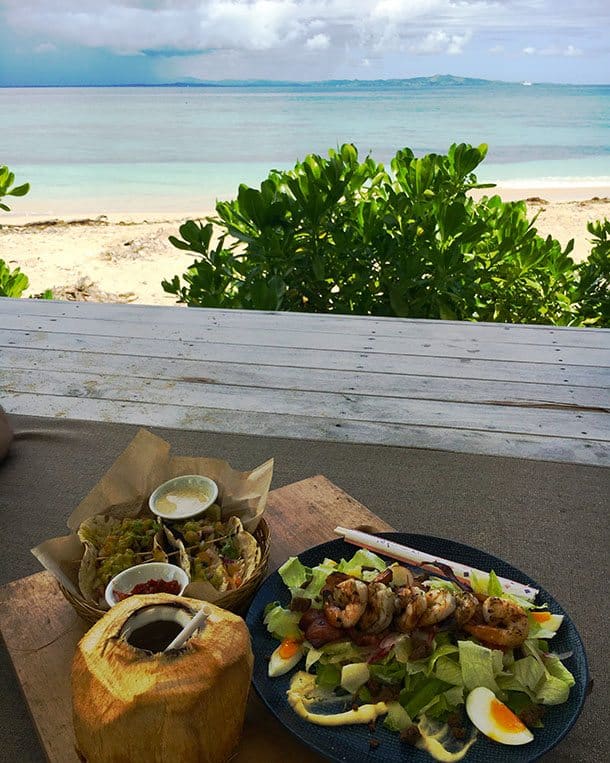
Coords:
88,580
96,529
183,559
250,551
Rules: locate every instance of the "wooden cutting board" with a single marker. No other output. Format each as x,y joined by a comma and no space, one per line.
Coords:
41,629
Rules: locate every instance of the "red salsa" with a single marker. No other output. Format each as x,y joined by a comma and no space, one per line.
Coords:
151,586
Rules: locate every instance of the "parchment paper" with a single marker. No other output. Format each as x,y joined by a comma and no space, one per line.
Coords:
125,488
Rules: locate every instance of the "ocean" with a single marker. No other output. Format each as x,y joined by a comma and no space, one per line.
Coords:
178,149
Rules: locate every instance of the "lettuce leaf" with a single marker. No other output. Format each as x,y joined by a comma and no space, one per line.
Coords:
313,655
494,587
328,676
441,651
528,672
556,668
341,651
393,673
480,665
444,584
362,558
294,573
444,703
416,666
555,688
282,623
397,718
553,691
318,579
402,649
449,671
423,696
478,582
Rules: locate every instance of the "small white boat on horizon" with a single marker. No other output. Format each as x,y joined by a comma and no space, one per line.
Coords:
526,83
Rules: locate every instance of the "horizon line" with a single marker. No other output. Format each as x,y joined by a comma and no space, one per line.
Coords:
260,82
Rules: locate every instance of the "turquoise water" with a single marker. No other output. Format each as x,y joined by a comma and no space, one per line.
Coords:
181,148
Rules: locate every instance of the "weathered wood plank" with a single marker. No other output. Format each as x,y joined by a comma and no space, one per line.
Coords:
470,367
41,629
577,424
271,321
369,379
245,335
469,440
204,373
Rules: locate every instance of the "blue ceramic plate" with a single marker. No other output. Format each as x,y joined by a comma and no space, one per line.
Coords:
351,743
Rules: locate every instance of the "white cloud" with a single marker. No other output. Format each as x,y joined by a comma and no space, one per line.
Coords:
245,34
553,50
439,42
200,25
319,42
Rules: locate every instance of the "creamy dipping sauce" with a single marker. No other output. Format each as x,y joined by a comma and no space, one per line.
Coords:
303,683
184,501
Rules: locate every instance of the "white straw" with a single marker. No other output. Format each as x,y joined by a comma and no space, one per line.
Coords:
416,558
188,630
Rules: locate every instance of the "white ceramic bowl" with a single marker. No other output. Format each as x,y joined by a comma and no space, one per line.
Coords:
183,497
142,573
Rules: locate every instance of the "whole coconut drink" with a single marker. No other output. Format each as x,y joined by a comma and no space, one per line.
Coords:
134,702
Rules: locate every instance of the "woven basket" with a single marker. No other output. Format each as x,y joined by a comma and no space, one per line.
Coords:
236,601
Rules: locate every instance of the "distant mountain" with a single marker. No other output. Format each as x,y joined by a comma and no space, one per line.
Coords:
438,80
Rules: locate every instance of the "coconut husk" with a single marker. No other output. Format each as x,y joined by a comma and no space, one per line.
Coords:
131,706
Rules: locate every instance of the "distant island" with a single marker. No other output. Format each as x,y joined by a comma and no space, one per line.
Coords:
413,83
437,81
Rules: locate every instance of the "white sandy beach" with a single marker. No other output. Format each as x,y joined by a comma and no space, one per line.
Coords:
125,257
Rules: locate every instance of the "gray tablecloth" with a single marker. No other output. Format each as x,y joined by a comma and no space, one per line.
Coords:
548,519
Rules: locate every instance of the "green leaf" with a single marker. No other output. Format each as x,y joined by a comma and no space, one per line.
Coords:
328,676
317,264
20,190
282,623
427,691
294,573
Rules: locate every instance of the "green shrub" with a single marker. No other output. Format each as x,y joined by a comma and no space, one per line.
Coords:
337,235
7,178
593,290
13,282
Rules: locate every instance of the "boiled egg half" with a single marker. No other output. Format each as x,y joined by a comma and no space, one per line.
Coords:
494,719
285,657
549,624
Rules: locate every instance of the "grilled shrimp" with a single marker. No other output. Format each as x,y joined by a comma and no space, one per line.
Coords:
379,609
506,624
440,604
411,604
467,605
345,602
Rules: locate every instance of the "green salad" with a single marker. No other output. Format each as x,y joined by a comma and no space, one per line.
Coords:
428,657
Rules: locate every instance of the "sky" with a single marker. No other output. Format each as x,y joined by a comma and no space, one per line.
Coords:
88,42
